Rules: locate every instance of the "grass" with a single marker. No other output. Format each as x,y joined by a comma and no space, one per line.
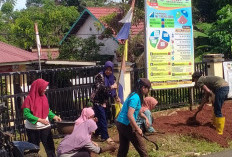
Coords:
170,145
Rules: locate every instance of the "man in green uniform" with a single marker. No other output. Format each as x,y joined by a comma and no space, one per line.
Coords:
220,88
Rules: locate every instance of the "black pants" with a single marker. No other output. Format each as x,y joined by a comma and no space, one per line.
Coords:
45,136
82,153
102,122
126,135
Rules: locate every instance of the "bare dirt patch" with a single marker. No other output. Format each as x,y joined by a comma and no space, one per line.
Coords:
174,122
177,123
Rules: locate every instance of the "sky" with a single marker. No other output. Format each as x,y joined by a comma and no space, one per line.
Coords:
20,4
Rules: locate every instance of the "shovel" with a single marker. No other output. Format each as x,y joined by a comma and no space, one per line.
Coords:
156,145
205,99
193,119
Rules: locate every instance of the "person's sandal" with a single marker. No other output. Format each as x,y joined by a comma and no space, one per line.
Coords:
110,141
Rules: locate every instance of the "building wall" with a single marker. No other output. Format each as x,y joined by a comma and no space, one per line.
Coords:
88,29
51,53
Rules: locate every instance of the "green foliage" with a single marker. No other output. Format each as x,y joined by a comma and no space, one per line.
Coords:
136,48
201,40
140,4
75,48
7,8
215,37
52,21
92,3
111,21
98,26
220,34
6,1
70,2
204,27
136,43
36,3
138,14
198,34
211,18
206,10
109,18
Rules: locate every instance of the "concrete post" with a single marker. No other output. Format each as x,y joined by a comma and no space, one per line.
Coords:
214,64
127,77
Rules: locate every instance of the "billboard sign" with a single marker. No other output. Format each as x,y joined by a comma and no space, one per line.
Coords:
169,43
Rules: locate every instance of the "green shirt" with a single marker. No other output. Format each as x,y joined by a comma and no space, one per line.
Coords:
33,119
212,82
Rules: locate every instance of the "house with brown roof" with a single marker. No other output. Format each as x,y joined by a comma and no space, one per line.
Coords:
84,27
15,59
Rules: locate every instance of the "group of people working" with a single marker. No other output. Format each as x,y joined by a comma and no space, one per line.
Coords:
92,120
133,120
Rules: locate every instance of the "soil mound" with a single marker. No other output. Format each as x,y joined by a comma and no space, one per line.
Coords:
201,128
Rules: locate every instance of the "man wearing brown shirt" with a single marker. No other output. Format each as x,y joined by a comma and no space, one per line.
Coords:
214,85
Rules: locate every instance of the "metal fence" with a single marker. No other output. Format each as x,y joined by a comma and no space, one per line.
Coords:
69,92
171,98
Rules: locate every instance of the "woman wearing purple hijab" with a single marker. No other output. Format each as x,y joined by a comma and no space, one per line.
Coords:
104,88
79,144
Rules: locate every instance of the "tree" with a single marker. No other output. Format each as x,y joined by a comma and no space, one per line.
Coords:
75,48
35,3
7,8
52,21
221,32
136,43
216,36
70,2
83,3
207,9
7,15
11,1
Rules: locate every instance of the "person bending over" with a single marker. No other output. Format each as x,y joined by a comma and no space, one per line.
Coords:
79,143
213,85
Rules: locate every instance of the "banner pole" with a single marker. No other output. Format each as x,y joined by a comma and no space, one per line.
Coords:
38,43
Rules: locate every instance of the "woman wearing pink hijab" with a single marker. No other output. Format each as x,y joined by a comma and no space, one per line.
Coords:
79,144
37,114
145,120
86,114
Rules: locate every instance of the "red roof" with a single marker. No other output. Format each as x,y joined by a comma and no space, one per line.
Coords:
99,12
12,54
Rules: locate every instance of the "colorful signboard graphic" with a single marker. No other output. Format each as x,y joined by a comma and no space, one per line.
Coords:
169,43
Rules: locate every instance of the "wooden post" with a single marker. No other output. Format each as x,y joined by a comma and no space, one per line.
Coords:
191,99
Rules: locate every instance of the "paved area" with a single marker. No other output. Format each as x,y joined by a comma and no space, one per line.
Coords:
227,153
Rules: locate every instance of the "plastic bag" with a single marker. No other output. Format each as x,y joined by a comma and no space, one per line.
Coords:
118,107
